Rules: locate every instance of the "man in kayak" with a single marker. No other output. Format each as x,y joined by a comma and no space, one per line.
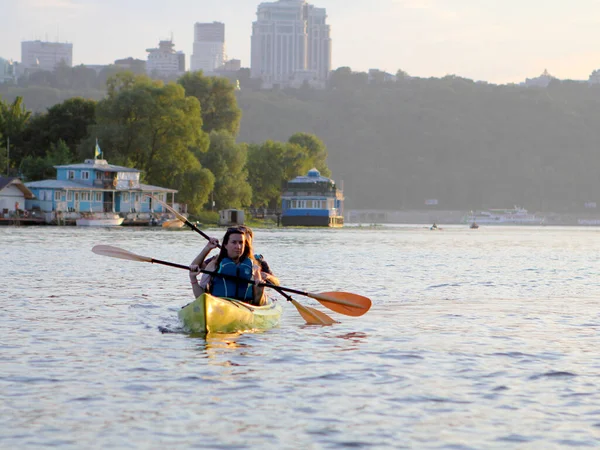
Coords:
235,259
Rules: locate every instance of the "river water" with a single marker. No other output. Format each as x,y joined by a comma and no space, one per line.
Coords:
477,339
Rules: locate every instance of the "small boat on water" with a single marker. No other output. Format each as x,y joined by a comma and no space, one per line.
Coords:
99,220
474,226
208,314
512,216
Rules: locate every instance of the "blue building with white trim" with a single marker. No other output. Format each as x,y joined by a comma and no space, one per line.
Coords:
312,200
95,187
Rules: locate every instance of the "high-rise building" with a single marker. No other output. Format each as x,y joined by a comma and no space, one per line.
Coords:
40,55
291,44
164,61
209,47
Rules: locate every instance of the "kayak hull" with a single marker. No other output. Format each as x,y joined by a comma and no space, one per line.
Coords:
208,314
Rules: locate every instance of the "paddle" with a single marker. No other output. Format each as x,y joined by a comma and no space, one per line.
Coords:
340,302
312,316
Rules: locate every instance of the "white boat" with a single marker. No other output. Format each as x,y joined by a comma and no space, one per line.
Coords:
100,220
514,216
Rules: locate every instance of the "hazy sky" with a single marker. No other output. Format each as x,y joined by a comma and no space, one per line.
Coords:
495,40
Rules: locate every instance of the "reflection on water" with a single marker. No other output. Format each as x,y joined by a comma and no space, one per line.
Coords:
475,340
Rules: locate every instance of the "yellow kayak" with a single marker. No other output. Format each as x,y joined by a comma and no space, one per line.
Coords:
208,314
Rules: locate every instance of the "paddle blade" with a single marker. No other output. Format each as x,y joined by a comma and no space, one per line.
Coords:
115,252
312,316
343,302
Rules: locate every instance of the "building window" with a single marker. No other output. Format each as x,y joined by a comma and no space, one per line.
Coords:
71,174
85,196
126,197
85,175
57,195
98,196
69,196
98,175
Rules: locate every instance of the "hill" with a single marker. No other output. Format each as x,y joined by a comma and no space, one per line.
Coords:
468,145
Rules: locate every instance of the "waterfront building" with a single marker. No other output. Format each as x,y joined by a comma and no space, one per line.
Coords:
312,200
94,187
290,44
209,47
40,55
164,61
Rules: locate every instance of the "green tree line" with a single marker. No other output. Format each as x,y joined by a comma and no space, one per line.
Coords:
181,134
396,144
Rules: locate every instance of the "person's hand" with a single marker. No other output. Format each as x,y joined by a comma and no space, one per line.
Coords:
212,243
194,271
258,277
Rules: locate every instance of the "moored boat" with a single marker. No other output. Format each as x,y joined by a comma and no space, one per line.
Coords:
514,216
208,314
100,220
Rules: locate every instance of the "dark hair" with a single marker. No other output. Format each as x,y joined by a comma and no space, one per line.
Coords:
247,253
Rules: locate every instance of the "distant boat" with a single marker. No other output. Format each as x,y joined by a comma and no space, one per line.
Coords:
100,220
474,226
514,216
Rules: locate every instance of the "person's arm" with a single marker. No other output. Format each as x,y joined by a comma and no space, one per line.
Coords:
198,260
267,274
194,271
259,291
270,278
200,287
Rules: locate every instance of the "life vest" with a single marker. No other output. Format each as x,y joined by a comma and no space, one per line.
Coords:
238,289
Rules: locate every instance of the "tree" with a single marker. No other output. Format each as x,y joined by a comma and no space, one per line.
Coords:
3,157
217,101
344,78
227,162
401,74
67,121
316,150
84,78
13,120
41,168
157,129
270,166
265,172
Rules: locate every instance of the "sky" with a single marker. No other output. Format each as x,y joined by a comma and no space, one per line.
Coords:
499,41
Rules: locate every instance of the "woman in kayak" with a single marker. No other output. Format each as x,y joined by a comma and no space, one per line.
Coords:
235,259
267,273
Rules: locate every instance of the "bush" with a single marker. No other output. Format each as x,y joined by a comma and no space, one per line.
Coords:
207,217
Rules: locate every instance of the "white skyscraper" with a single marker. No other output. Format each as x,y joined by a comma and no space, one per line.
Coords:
45,55
164,61
209,47
291,44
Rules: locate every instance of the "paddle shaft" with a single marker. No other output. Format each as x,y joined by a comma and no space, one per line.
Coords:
279,289
205,236
229,277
